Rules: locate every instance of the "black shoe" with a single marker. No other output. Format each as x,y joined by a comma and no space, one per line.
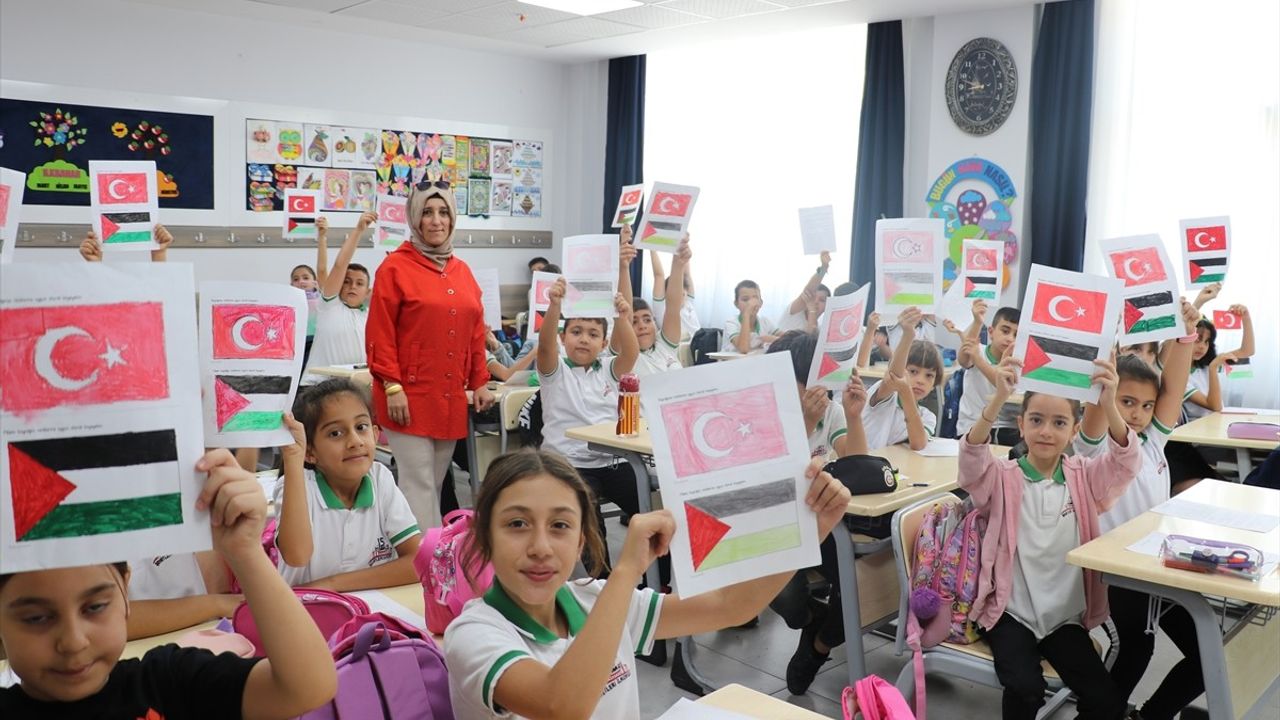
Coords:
624,518
806,662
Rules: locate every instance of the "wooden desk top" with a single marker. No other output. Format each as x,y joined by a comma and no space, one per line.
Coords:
1109,553
938,472
605,434
1212,430
755,704
360,376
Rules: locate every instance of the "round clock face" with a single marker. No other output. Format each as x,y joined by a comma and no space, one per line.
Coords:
981,86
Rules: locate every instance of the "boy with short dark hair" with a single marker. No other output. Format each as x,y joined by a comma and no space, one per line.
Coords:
979,362
749,331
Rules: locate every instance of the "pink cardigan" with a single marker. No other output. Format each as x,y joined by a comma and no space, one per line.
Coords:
996,488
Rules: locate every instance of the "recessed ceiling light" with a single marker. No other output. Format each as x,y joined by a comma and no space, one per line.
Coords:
584,7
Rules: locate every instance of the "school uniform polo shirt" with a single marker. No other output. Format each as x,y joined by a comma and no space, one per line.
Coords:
832,426
493,633
1197,381
347,539
659,358
793,321
763,326
1046,592
977,392
574,396
689,322
166,577
1149,488
339,337
886,423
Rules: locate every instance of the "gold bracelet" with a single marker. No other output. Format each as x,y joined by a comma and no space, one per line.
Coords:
393,389
984,417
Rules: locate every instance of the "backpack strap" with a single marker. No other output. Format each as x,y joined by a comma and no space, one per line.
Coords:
917,661
409,692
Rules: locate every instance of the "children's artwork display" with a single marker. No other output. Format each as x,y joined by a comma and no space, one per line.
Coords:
500,167
99,417
490,295
252,336
1206,249
908,264
729,446
393,228
124,200
363,186
302,208
311,178
12,186
526,198
628,205
336,191
1152,309
1068,321
355,148
479,191
527,154
590,264
839,335
975,198
480,157
818,229
501,197
540,298
318,140
666,219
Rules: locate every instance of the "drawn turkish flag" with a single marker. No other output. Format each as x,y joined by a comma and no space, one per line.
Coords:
908,246
980,259
392,212
845,324
1226,320
123,188
542,292
671,204
724,430
1212,237
248,331
81,355
589,260
631,198
302,203
1069,308
1140,266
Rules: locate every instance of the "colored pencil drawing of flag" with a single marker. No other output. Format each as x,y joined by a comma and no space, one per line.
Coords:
981,260
1207,249
979,287
1206,270
1069,308
724,431
1149,313
126,227
908,288
251,402
845,325
122,188
1226,320
92,485
669,204
662,233
1138,266
249,331
836,367
742,525
908,246
82,355
1060,362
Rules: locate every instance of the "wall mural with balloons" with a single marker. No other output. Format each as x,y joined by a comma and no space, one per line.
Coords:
975,199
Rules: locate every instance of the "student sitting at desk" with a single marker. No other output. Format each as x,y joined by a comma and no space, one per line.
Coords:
806,310
343,308
689,321
893,413
749,331
979,362
657,343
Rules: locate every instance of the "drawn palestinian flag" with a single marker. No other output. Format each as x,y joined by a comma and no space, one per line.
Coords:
980,287
835,366
251,402
1207,251
741,525
1239,370
659,232
92,485
244,331
126,227
1059,361
1147,313
908,288
724,430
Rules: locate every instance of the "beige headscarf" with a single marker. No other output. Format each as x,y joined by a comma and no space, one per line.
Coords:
417,208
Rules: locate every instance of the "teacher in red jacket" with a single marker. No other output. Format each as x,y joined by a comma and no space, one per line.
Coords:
425,341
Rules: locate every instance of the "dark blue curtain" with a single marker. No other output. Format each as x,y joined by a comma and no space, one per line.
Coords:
624,149
881,143
1061,106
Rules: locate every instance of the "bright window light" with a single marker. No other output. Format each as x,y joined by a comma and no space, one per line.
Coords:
584,7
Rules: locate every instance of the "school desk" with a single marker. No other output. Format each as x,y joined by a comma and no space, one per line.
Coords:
722,355
1211,430
754,704
1240,660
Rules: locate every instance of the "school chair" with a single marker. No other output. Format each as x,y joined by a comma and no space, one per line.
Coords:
509,412
684,354
971,662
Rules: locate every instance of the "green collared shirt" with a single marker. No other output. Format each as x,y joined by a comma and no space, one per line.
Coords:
364,494
574,615
1033,475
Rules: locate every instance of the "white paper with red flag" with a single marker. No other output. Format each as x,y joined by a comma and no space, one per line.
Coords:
839,336
125,203
490,295
666,217
629,201
1206,249
539,299
99,414
590,264
909,255
1151,307
729,445
981,274
301,210
1069,319
252,337
393,228
12,186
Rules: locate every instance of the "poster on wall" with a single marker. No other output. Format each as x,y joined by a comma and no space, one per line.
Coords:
355,147
53,142
974,197
319,144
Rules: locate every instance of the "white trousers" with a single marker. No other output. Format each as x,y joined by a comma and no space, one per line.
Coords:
421,464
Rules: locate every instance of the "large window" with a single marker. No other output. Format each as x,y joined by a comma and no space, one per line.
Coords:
1186,123
764,126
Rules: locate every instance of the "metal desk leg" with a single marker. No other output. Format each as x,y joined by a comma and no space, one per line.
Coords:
1243,464
849,608
473,475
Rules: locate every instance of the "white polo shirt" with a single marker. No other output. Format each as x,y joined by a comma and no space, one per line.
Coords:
1045,592
792,321
339,337
573,396
689,322
886,423
822,441
166,577
493,633
364,536
1197,381
658,359
977,392
1149,488
764,326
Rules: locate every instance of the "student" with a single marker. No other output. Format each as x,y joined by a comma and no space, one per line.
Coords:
833,428
875,346
689,322
344,525
172,592
91,246
759,332
1149,405
500,363
1207,361
305,279
893,413
980,363
539,645
64,630
581,388
657,344
1148,352
344,307
804,312
1031,603
539,264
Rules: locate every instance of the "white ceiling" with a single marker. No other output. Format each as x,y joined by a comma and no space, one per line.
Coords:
514,27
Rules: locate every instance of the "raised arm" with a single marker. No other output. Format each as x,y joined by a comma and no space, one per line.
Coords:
626,255
1207,293
811,287
976,464
659,273
624,339
853,398
868,339
917,435
672,330
322,251
1105,413
1246,322
968,350
164,239
1177,369
548,350
293,533
332,282
898,365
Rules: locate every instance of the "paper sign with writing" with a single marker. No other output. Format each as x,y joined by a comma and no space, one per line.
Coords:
909,256
628,204
1152,308
124,202
590,264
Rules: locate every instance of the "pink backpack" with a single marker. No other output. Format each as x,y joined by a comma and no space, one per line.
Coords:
330,611
386,669
874,699
445,588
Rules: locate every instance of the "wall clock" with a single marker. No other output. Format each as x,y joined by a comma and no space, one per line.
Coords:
981,86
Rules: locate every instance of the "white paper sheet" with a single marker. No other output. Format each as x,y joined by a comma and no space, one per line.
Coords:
301,208
590,264
381,602
628,205
1152,309
103,402
124,203
1214,515
909,256
491,295
252,336
12,185
839,336
982,273
1151,543
729,445
539,300
666,217
1069,319
940,447
393,229
818,229
1206,250
686,709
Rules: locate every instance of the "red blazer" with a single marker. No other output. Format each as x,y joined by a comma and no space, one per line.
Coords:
426,331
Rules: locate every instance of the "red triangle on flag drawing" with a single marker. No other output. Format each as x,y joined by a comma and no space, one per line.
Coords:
968,287
705,532
109,227
828,365
36,490
890,287
1131,315
1036,357
1196,271
649,231
227,402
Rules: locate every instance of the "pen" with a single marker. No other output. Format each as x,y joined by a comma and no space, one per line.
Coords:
919,484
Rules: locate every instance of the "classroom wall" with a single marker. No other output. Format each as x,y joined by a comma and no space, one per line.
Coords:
122,48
